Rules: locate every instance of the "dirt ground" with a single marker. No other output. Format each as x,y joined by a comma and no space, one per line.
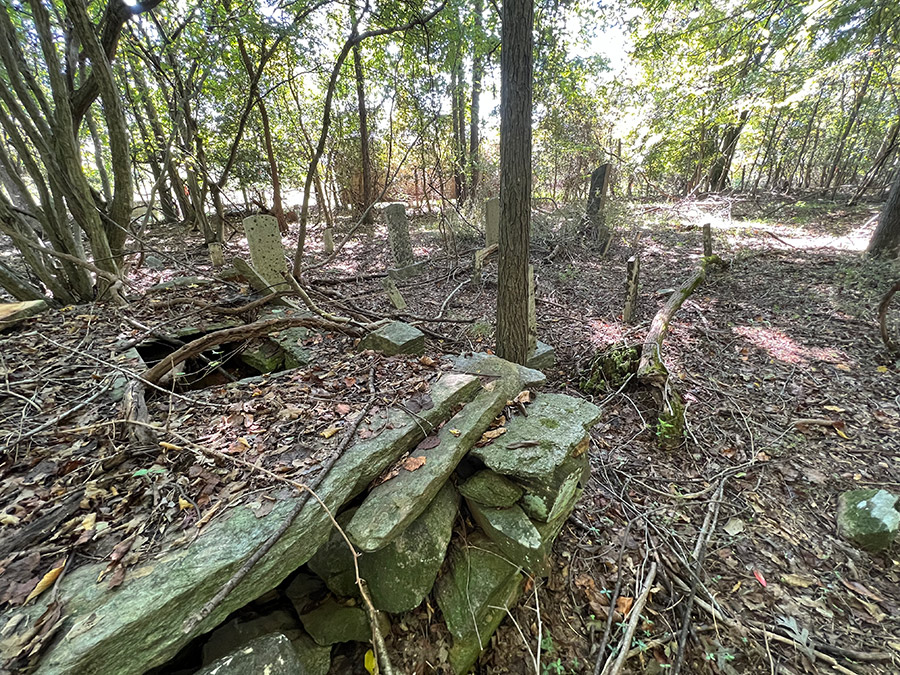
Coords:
791,399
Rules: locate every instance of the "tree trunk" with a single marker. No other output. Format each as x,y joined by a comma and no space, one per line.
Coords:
885,240
888,145
368,217
516,83
98,155
475,111
277,208
851,121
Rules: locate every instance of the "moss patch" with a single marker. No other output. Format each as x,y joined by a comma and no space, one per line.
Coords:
610,369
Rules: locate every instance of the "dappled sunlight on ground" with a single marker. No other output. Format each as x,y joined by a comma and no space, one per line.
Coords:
783,348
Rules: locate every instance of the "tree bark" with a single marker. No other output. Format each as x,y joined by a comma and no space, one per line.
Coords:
885,240
516,85
851,121
368,217
475,111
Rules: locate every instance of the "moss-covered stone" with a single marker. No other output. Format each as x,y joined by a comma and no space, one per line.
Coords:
670,425
534,447
332,622
476,588
610,368
402,573
869,518
391,506
263,356
395,338
271,654
549,497
511,530
491,489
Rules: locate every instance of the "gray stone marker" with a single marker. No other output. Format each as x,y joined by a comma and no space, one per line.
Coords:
393,293
266,249
491,221
869,518
398,234
632,274
395,338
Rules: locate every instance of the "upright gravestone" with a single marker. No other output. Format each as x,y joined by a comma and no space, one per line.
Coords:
266,249
398,235
491,221
595,213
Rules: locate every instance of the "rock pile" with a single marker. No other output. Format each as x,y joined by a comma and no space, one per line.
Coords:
514,477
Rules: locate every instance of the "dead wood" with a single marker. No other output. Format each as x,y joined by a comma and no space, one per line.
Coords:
230,311
651,369
240,333
135,413
40,529
882,318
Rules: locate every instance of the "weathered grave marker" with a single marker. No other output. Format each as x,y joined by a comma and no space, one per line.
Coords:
394,294
707,240
266,249
632,272
398,235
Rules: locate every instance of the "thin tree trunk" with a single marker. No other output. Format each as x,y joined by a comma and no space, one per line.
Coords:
851,122
98,155
885,240
516,73
475,110
368,216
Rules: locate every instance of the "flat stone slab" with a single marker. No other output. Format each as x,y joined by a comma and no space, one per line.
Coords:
331,622
263,356
180,282
271,654
481,363
261,284
535,446
512,531
476,588
12,313
546,498
543,357
489,488
395,338
138,626
290,340
406,272
394,504
869,518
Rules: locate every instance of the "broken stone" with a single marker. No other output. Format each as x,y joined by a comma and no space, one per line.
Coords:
331,622
263,355
391,506
491,489
550,496
260,284
481,363
271,654
512,531
869,518
398,234
393,293
402,573
140,625
534,447
12,313
153,262
333,562
305,592
290,339
266,249
476,588
395,338
543,357
406,272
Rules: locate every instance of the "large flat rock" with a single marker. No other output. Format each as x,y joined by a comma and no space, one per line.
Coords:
534,447
394,504
138,626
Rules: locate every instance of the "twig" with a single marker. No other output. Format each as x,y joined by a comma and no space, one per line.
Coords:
636,610
56,420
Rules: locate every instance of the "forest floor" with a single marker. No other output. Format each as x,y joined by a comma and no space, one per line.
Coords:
791,400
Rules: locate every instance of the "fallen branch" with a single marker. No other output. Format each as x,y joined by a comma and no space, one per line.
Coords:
239,333
231,311
633,620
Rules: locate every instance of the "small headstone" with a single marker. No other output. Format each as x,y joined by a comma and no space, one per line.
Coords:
395,338
491,222
398,235
632,274
394,294
869,518
266,249
328,240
